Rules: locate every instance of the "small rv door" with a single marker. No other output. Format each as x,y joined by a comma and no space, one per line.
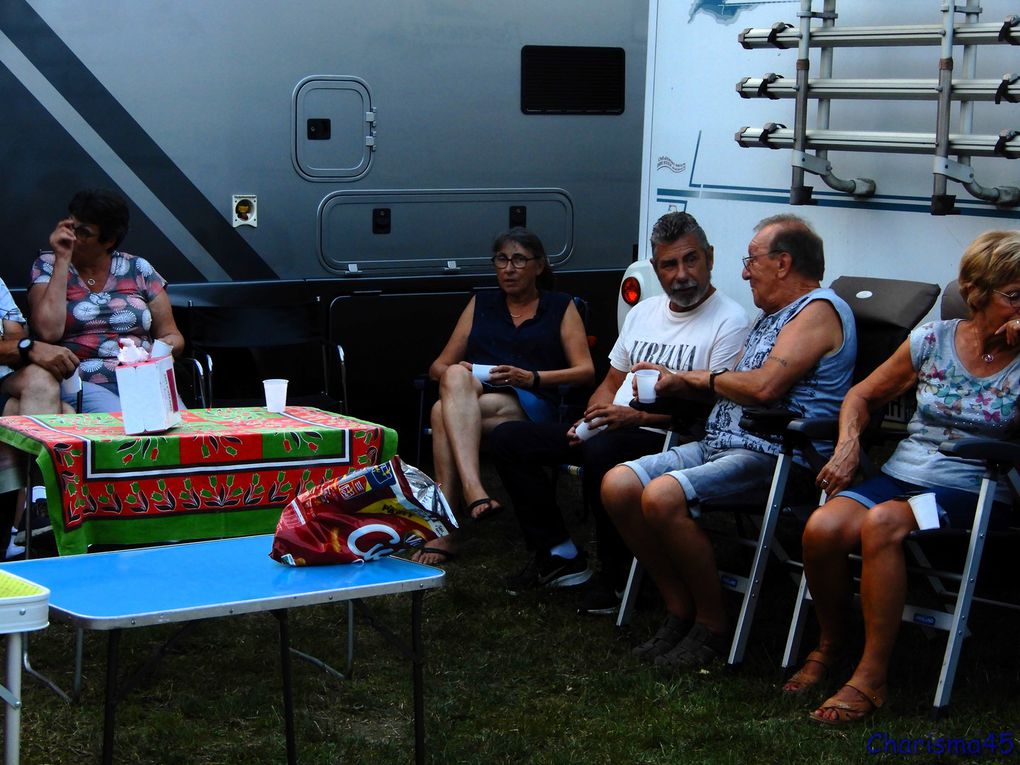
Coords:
334,128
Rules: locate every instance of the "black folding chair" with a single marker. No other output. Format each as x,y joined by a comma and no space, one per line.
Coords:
263,342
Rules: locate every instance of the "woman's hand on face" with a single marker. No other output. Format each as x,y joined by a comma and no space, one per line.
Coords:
62,240
1012,331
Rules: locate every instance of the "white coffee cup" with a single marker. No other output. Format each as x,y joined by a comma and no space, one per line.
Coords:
926,510
70,386
585,430
276,395
160,349
646,379
482,371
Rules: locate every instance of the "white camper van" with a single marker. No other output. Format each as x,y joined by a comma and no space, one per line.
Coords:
726,139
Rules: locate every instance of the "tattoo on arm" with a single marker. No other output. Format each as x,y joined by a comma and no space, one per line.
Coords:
779,360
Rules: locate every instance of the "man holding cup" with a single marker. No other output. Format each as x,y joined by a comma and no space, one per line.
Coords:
690,326
798,356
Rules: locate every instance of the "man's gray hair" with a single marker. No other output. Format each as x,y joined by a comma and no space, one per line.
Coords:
797,237
674,225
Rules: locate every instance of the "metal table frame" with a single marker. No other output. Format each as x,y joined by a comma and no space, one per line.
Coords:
119,590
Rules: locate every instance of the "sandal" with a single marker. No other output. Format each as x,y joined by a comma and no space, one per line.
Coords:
671,632
801,681
847,712
700,648
493,508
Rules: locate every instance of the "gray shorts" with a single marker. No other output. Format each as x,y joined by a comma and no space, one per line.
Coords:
710,475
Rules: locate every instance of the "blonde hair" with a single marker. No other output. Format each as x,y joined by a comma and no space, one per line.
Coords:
989,262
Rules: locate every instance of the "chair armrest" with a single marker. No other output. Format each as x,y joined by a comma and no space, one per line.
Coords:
987,449
817,428
766,420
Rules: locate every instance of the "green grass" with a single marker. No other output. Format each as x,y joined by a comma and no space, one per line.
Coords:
509,680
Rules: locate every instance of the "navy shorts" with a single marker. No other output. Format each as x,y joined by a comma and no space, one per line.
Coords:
956,507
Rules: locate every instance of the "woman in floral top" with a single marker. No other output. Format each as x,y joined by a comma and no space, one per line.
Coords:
87,295
966,374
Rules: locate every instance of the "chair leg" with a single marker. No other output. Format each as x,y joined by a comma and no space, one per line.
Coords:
968,581
630,594
761,559
797,622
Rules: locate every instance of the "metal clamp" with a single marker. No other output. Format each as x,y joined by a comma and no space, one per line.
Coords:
763,86
1006,31
1002,92
1005,136
768,129
811,163
958,171
778,28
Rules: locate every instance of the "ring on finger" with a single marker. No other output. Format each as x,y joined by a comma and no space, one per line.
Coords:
824,482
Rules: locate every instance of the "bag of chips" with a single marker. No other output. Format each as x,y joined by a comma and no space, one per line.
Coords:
365,515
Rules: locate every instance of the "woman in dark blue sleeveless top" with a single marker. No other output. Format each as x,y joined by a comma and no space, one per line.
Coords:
533,340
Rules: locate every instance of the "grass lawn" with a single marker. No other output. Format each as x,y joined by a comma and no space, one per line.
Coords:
509,680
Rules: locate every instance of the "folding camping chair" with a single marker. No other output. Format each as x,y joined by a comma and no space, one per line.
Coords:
885,310
1001,459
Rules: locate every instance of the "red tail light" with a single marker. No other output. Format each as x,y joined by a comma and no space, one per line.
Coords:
630,290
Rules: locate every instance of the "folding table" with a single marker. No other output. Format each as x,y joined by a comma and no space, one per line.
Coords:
113,591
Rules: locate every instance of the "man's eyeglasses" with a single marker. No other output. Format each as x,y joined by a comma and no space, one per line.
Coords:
501,261
81,231
749,259
1012,297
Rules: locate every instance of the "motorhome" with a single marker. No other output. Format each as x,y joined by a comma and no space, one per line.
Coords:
897,159
370,148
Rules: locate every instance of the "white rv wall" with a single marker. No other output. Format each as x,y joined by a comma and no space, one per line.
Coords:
691,161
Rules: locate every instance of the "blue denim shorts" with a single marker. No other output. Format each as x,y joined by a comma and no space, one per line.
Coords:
956,507
710,475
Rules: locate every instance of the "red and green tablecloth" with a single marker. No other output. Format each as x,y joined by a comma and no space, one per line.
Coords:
220,473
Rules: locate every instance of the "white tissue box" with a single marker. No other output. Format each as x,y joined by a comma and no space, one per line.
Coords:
148,396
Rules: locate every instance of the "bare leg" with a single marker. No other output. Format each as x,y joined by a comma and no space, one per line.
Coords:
466,412
622,497
664,506
832,533
37,391
883,594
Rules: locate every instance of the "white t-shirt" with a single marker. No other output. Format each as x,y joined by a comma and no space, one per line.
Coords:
710,336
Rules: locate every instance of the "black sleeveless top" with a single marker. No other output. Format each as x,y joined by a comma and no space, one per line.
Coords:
534,345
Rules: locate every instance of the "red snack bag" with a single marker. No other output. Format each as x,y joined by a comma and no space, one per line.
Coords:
364,515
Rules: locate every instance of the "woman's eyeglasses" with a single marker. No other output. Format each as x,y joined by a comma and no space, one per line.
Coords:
501,261
1012,297
81,231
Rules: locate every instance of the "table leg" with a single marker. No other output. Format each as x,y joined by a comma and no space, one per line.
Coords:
417,663
288,689
12,727
109,718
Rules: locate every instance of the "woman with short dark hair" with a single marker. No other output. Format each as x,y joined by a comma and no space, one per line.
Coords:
86,295
533,339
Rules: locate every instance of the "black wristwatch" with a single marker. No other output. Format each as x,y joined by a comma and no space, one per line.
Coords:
24,348
714,374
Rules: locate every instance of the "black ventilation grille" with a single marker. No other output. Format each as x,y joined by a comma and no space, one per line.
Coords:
557,79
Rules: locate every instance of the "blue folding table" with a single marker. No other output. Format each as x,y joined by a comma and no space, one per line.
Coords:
113,591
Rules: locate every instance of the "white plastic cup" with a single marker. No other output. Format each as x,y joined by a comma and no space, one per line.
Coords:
70,386
276,395
584,430
926,510
482,371
646,379
160,349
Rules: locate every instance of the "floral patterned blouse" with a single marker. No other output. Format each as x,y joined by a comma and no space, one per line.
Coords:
97,320
951,404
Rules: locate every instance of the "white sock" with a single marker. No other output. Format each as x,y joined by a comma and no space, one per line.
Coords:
567,550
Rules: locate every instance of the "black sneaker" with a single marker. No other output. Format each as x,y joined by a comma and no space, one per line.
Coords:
600,597
550,571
